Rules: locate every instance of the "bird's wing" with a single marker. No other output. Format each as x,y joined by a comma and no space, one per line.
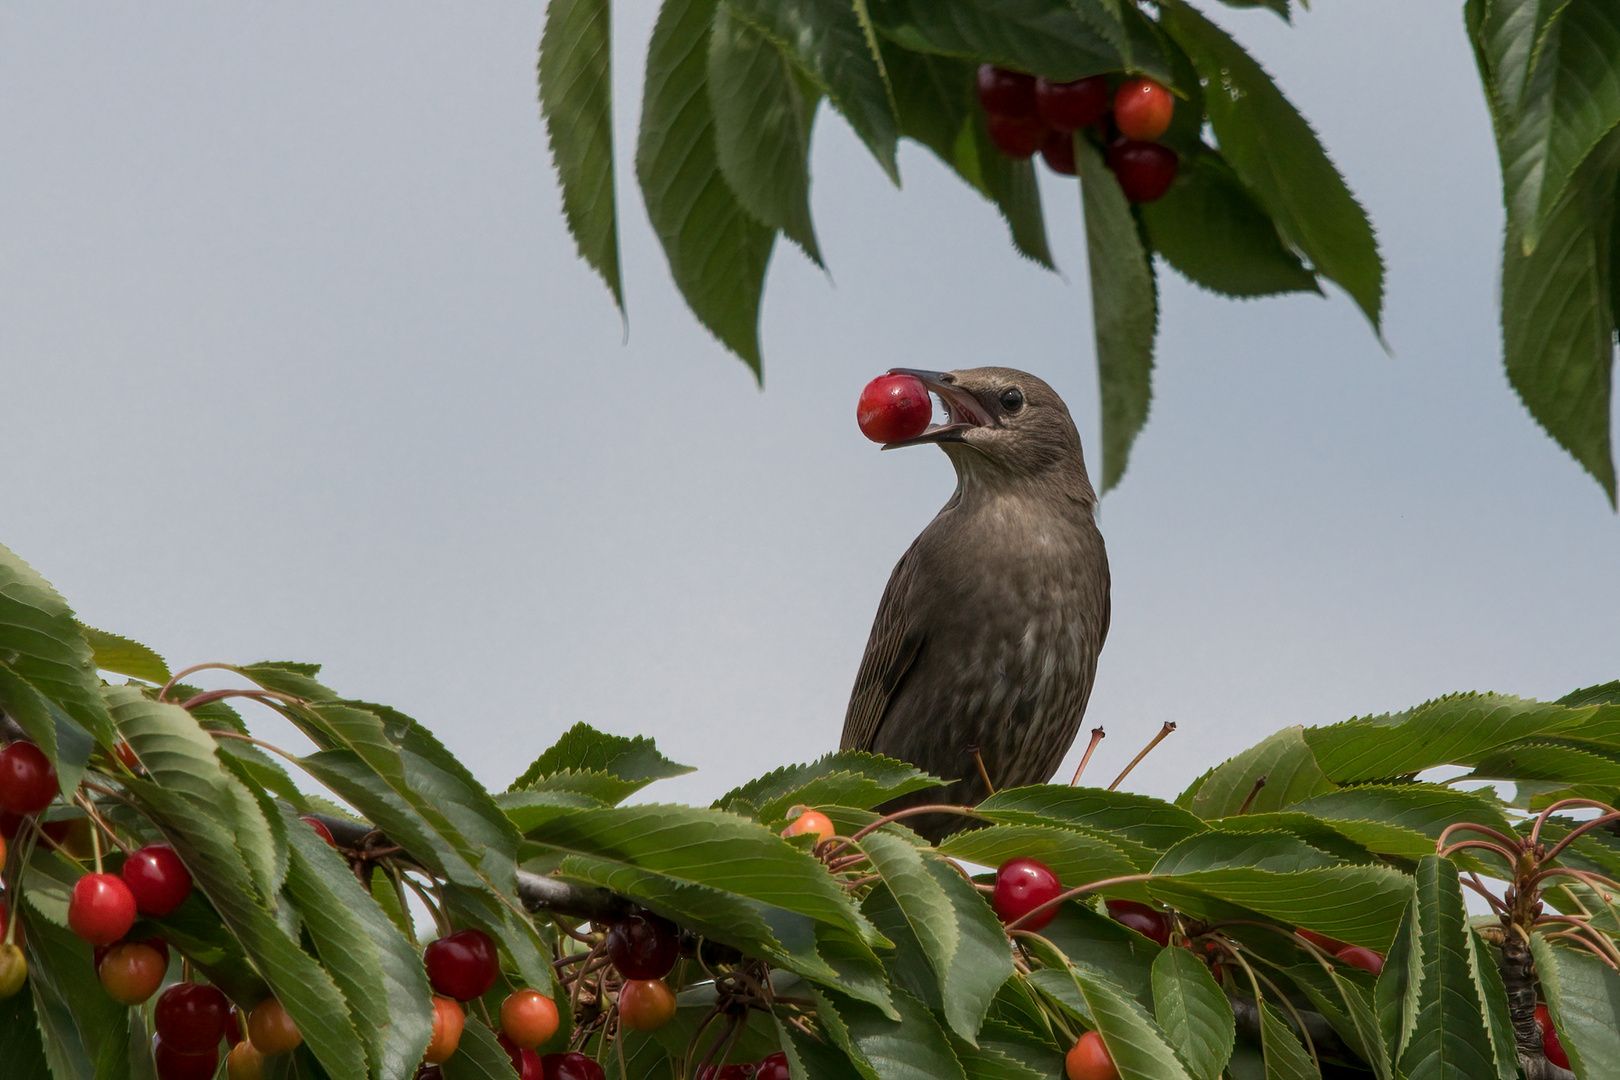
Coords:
890,651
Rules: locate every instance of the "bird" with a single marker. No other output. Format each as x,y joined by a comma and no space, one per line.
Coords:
984,648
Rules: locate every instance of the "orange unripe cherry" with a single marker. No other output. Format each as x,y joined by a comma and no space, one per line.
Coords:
1089,1059
244,1062
646,1004
448,1021
271,1030
528,1018
811,821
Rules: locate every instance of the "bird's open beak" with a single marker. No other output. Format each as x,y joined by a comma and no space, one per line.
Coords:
963,411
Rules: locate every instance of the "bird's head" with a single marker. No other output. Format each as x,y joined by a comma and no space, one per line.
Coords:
1004,423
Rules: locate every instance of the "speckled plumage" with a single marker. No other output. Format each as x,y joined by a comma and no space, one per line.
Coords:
988,633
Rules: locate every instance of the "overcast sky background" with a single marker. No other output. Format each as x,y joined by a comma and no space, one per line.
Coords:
299,363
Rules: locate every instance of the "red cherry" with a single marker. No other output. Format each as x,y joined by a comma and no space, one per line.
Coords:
159,880
1006,93
173,1064
1331,946
1070,106
320,828
462,965
893,408
126,754
525,1062
27,779
1551,1048
1142,109
1022,885
1365,959
1150,922
1089,1059
571,1067
773,1067
102,909
1144,170
1014,136
191,1017
1058,151
643,946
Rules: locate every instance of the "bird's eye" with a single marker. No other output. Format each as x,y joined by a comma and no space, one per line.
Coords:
1012,400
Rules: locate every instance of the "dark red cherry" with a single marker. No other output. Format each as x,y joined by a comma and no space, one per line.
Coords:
1022,885
1150,922
1365,959
773,1067
462,965
1551,1048
643,946
172,1064
571,1067
1070,106
1144,170
191,1017
27,779
1014,135
1006,93
1058,151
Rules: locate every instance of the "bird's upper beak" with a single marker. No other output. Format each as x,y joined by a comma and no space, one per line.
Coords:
963,411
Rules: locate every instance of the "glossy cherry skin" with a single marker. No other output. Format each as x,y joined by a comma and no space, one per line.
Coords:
131,972
1148,921
643,946
525,1062
272,1029
1142,109
191,1017
159,880
1551,1048
1006,93
27,779
813,821
449,1020
1365,959
174,1064
1057,150
462,965
1022,885
571,1067
1089,1059
892,408
1144,170
1331,946
320,829
1070,106
1015,136
13,969
646,1004
773,1067
528,1017
102,909
244,1062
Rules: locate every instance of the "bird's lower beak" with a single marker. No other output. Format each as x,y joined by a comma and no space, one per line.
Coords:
963,411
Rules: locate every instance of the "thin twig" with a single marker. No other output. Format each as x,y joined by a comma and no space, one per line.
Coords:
1164,733
1097,735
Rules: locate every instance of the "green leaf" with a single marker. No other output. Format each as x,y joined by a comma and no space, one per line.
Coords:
842,778
827,40
1037,36
938,107
20,1046
914,1047
1548,761
85,1031
1401,819
1284,761
1450,1037
43,645
584,749
761,128
1604,694
1194,1013
122,656
1493,999
717,251
1216,850
1210,228
1456,729
1395,995
1285,1056
379,972
1124,310
1139,819
1139,1048
478,1057
1097,944
1073,856
1275,153
959,934
1348,1007
576,99
1558,316
1583,996
1361,905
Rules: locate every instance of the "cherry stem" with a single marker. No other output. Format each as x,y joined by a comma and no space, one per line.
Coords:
15,893
1473,882
177,676
1507,842
1164,733
1485,845
99,823
1248,800
913,811
1584,827
95,845
1018,923
1587,804
1097,736
1599,884
263,697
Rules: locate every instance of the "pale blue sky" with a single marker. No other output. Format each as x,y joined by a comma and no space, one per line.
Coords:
299,363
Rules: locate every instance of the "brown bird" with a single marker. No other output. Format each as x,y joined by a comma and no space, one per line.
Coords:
985,643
